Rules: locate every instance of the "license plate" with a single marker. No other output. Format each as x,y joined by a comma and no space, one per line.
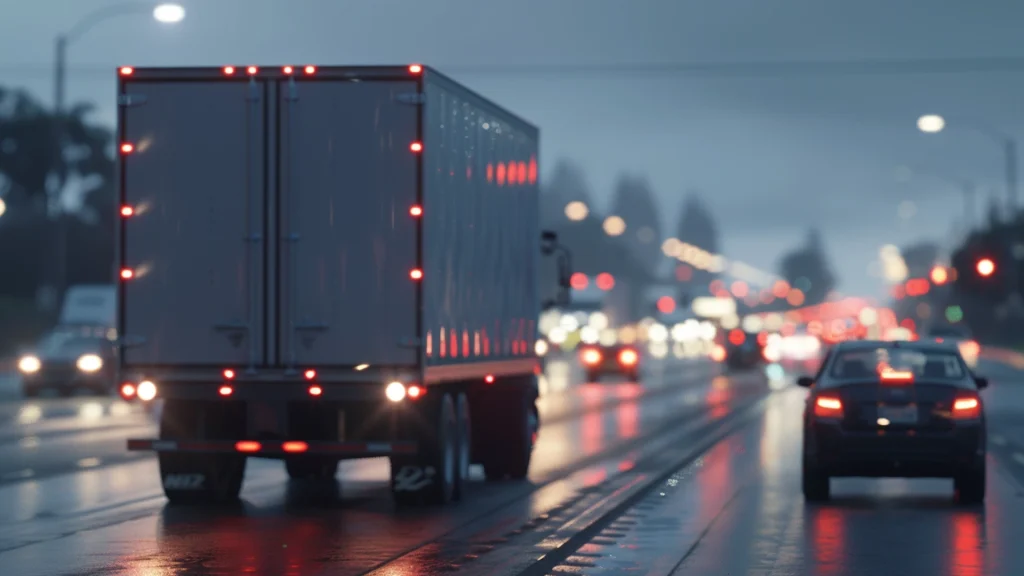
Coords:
898,414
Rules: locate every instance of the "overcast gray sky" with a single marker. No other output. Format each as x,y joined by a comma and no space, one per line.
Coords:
772,151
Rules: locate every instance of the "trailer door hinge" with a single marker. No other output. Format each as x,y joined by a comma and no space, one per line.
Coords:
131,100
413,98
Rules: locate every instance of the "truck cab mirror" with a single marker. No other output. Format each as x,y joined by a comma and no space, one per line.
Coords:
805,381
981,382
548,242
549,246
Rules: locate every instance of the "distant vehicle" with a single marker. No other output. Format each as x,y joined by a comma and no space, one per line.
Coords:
78,354
617,359
321,263
69,360
746,355
894,409
959,335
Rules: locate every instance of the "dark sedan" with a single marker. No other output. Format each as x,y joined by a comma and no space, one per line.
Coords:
894,409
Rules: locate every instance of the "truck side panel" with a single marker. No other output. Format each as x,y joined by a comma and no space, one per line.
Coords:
348,240
481,229
195,182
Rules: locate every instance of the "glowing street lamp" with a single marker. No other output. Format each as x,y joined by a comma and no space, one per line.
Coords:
931,123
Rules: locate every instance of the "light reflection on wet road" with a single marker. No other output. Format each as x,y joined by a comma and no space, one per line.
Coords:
114,519
738,510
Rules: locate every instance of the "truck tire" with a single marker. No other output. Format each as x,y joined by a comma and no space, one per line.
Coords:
201,478
513,460
464,439
430,476
311,468
189,478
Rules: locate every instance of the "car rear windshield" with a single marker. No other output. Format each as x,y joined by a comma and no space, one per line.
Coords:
871,362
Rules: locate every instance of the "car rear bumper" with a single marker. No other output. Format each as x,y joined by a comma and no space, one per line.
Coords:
900,454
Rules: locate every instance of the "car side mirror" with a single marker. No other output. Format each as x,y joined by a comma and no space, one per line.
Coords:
805,381
981,382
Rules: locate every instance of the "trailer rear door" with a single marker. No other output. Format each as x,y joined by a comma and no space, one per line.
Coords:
195,183
348,240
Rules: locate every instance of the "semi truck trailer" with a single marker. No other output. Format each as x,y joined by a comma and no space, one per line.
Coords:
320,263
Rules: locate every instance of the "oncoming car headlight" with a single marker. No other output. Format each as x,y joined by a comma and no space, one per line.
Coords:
29,364
89,363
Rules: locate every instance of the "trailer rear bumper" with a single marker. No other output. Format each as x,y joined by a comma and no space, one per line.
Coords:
276,448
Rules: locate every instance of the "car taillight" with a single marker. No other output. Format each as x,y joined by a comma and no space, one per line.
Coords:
828,407
966,408
628,357
591,356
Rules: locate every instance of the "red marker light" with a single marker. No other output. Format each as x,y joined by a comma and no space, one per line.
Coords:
489,378
288,69
416,274
310,374
416,211
310,70
248,446
127,273
127,390
295,446
229,70
226,390
127,70
415,68
127,148
252,70
127,211
229,374
415,391
416,147
315,390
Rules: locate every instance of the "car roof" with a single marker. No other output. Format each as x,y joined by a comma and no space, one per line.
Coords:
919,345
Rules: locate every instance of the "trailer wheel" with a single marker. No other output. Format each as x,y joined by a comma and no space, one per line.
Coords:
189,478
431,475
513,460
464,439
201,478
311,468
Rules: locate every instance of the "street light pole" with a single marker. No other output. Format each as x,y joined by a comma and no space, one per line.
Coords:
1010,150
165,13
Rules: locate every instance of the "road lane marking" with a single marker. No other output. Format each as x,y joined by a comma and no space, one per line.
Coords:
1018,457
89,462
998,440
29,442
19,475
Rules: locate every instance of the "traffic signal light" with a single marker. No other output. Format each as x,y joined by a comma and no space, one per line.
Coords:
985,267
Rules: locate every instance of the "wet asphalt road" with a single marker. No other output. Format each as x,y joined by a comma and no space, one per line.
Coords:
736,510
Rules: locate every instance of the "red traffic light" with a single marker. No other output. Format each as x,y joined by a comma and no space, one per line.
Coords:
985,267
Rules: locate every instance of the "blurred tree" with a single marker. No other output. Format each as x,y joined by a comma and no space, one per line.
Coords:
807,268
566,184
697,227
593,250
635,204
34,171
